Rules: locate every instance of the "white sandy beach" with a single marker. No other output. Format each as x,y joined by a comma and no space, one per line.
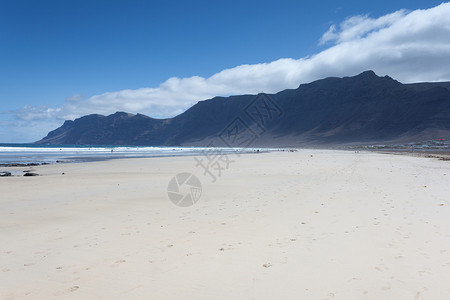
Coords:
312,224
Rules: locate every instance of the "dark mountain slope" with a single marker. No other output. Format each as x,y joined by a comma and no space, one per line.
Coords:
360,109
423,86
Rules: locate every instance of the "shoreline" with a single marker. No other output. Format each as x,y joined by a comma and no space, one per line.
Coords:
31,155
426,153
80,158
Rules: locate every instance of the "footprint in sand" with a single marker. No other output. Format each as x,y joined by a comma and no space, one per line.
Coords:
381,268
74,288
120,261
268,265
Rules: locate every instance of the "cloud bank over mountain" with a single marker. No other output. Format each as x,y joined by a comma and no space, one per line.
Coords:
410,46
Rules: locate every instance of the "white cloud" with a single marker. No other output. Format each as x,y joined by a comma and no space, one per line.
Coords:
25,131
409,46
357,27
29,113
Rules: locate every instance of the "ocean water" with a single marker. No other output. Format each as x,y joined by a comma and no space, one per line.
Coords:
34,153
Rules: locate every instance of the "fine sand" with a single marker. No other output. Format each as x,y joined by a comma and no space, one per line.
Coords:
311,224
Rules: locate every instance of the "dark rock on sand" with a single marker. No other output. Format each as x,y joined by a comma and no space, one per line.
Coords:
23,164
30,174
5,174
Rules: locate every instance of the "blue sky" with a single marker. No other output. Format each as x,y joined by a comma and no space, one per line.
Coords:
62,59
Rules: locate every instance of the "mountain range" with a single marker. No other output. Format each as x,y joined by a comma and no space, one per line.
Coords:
361,109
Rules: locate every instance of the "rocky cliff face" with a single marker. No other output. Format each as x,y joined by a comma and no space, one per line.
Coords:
361,109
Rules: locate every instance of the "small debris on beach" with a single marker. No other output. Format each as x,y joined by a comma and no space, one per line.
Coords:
30,174
5,174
